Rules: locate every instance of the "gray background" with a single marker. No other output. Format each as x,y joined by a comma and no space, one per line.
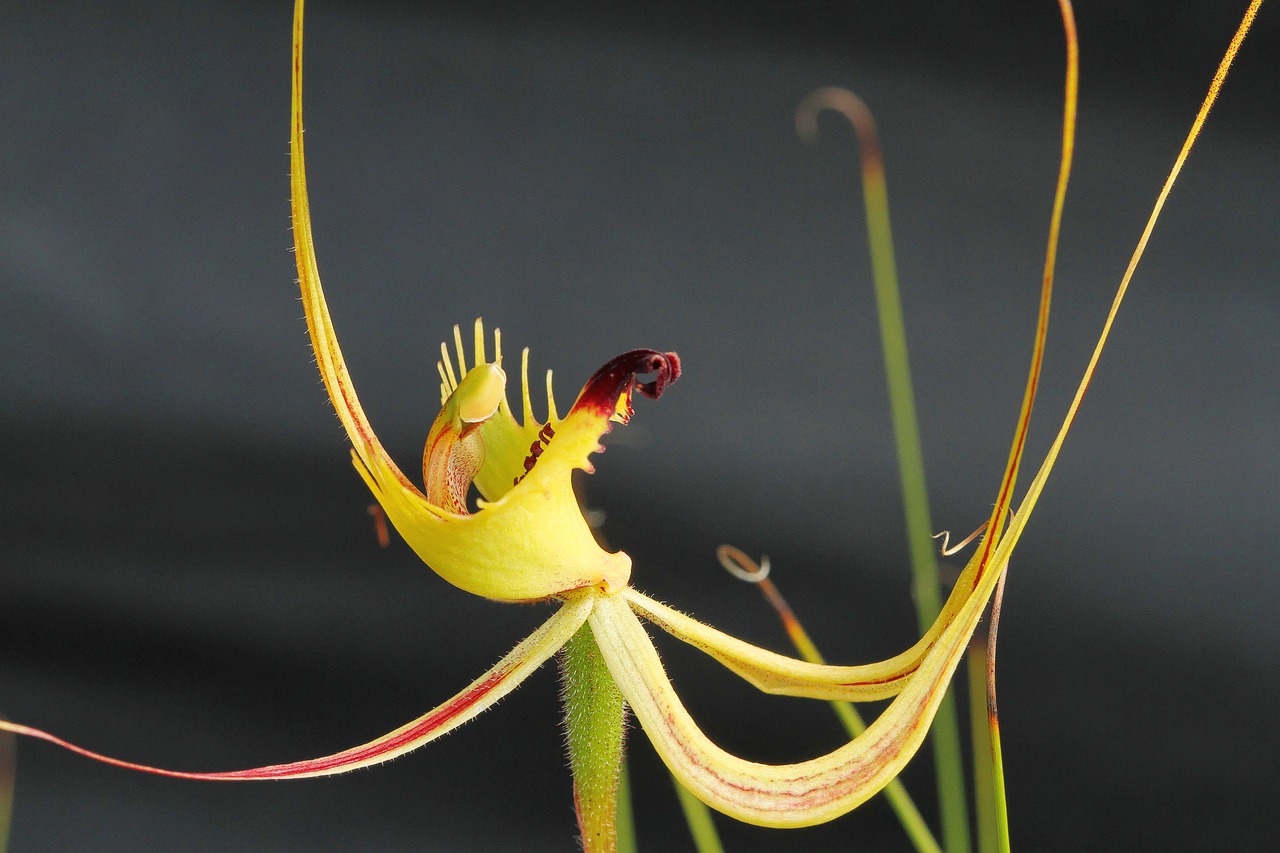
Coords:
188,576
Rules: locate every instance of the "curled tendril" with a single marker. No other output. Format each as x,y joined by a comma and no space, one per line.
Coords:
736,562
947,549
847,104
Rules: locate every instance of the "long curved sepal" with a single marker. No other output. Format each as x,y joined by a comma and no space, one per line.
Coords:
784,795
532,542
482,693
333,369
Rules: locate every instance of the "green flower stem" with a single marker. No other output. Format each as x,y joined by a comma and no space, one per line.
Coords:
997,776
993,722
698,816
626,816
980,737
915,500
8,760
595,721
949,766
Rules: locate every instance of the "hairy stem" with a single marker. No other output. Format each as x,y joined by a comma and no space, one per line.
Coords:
595,721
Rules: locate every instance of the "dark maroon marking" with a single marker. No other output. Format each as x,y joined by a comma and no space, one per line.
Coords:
535,450
601,393
618,377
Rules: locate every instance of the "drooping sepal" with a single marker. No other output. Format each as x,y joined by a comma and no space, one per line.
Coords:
506,675
780,795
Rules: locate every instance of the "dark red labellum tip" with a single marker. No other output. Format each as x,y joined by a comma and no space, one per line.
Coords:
618,377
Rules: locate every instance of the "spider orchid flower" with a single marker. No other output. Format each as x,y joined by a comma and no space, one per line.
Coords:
528,541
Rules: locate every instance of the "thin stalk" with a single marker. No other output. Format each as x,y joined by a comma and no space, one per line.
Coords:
1036,487
948,764
1002,809
980,737
993,723
626,815
8,776
993,805
595,721
701,826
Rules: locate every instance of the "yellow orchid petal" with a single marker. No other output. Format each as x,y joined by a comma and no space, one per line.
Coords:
455,446
531,542
780,795
505,676
776,673
507,441
783,675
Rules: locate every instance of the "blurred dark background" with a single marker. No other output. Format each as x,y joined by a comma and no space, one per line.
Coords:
189,577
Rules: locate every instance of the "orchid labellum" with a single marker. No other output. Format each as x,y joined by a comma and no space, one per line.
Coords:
527,541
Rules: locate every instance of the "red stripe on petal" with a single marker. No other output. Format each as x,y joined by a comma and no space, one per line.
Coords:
395,742
399,741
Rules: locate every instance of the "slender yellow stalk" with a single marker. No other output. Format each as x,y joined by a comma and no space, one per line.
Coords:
996,807
1070,96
